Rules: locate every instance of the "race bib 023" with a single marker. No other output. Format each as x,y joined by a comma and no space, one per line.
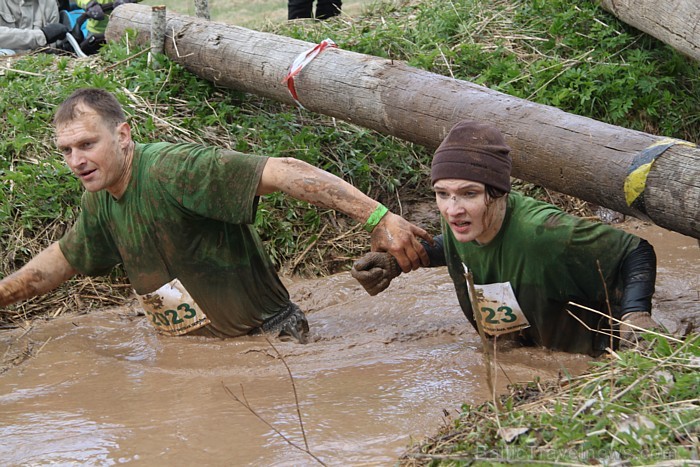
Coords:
498,310
172,311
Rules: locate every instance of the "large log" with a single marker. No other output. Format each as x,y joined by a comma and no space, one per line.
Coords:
675,22
564,152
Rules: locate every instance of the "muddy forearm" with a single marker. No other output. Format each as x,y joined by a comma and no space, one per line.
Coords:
318,187
43,273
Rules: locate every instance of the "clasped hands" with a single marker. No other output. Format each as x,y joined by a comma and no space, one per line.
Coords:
398,238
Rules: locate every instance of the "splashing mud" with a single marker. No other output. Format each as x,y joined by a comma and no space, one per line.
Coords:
104,389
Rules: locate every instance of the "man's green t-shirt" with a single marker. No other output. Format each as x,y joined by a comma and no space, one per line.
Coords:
187,214
550,258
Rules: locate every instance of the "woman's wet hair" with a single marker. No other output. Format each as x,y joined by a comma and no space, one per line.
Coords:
493,193
100,101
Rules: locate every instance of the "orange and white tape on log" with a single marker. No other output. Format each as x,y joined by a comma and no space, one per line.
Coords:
300,62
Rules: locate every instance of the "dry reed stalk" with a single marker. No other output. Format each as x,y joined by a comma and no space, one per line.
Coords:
126,60
244,402
490,357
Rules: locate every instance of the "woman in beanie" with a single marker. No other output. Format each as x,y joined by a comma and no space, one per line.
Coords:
548,257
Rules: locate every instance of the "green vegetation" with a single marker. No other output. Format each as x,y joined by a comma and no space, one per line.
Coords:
640,408
570,54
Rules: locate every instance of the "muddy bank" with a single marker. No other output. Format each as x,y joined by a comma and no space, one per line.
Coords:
103,388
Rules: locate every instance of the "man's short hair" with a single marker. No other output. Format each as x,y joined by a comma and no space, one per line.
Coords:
102,102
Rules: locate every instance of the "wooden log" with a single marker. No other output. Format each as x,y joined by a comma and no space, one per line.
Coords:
675,22
571,154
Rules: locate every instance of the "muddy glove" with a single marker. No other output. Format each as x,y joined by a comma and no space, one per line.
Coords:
94,10
633,325
374,271
54,32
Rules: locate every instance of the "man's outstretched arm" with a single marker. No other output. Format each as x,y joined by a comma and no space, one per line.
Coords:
303,181
40,275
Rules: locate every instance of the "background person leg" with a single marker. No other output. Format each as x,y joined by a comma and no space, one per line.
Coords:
327,8
299,9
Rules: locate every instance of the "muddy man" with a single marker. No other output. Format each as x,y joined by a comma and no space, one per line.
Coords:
179,217
540,272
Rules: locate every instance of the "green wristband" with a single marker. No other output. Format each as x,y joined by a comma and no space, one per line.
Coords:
376,217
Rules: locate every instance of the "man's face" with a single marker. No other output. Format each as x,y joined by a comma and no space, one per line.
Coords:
462,203
94,152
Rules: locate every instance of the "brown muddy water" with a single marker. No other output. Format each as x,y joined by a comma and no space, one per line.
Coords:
104,389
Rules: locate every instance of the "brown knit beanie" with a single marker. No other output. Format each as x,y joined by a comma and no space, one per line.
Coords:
473,151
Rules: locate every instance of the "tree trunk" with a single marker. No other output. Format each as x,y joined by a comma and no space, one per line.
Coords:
675,22
564,152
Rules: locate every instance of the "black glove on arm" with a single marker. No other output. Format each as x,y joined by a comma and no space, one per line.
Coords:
374,271
639,276
436,252
54,32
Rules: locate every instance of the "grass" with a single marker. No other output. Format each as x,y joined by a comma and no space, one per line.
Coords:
641,407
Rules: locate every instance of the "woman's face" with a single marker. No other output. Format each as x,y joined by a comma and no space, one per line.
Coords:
468,210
